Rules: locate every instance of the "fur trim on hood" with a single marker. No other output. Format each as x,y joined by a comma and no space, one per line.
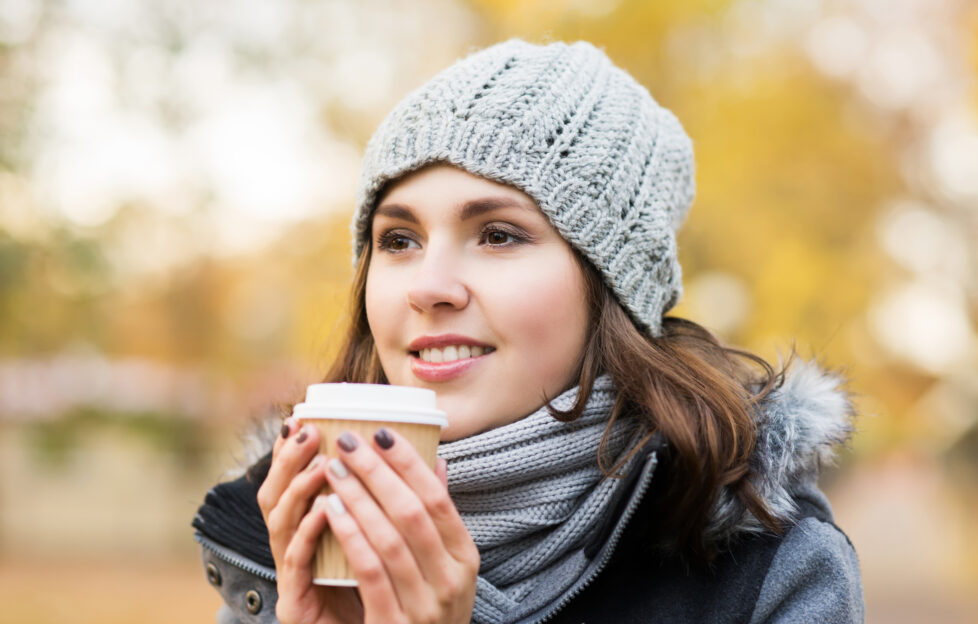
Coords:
799,426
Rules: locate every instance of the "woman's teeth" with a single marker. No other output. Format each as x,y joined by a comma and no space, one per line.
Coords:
450,354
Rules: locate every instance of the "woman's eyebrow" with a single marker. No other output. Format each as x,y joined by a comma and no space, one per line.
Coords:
476,207
396,211
470,209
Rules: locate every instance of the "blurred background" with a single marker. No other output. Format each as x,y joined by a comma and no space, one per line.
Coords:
176,179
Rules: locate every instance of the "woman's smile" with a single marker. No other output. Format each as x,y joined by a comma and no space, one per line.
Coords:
450,354
445,357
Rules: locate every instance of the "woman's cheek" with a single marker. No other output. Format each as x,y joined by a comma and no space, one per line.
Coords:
551,320
381,298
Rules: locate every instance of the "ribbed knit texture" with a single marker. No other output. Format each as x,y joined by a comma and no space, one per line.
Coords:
611,169
531,491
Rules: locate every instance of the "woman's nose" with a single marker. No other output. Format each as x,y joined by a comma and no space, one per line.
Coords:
437,284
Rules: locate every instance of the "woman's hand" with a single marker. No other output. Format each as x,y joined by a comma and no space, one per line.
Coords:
286,498
412,556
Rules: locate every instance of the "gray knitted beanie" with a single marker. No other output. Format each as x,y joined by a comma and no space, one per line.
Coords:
611,169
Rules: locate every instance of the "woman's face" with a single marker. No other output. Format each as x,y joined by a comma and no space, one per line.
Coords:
473,294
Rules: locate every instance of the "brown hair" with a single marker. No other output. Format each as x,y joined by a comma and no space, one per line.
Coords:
684,384
698,394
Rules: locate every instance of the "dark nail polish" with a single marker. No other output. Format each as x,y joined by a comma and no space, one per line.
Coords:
383,438
302,437
347,442
285,431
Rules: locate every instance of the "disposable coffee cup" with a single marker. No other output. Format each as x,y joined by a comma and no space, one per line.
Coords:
364,408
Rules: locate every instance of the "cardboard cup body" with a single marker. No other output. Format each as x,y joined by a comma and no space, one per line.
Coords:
331,567
334,416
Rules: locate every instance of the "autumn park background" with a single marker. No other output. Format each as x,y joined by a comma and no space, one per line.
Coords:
176,179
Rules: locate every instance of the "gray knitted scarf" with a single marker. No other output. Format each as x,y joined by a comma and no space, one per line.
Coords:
530,493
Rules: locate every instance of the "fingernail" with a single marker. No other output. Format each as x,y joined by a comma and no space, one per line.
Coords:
303,436
285,430
336,504
347,442
338,468
316,461
383,438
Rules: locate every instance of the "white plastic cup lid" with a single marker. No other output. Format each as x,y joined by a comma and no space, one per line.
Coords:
356,401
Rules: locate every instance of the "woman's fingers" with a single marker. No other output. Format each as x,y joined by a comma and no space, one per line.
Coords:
297,497
403,532
430,489
298,599
289,455
268,493
374,584
296,564
385,540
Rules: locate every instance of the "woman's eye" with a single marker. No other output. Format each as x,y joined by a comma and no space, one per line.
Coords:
498,238
392,241
398,243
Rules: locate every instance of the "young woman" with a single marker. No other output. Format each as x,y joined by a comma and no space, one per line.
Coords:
516,253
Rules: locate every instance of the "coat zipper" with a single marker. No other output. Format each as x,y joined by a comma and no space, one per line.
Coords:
228,555
611,544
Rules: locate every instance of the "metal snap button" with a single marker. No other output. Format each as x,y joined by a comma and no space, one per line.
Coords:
253,601
213,575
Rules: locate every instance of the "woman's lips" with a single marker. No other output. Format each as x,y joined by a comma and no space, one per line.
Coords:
443,371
